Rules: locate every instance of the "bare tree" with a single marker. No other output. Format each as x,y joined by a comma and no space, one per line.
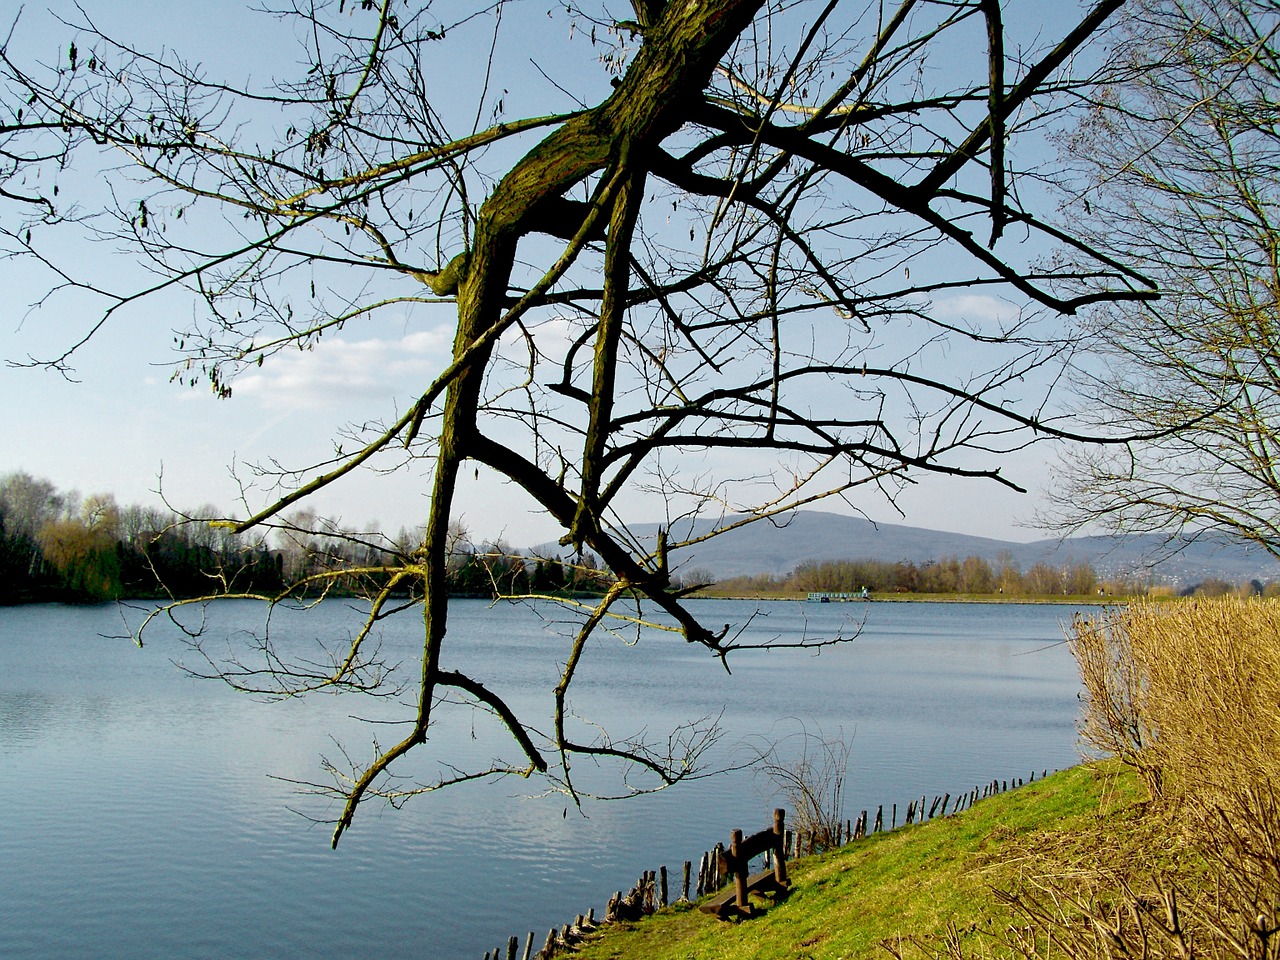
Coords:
1183,164
725,270
809,771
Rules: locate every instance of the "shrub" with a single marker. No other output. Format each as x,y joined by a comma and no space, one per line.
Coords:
1188,694
809,771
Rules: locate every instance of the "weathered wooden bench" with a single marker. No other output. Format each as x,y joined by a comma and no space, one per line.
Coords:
736,860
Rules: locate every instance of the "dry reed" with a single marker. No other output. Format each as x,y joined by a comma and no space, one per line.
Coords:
1188,694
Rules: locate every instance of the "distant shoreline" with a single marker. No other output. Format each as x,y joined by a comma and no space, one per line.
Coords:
925,598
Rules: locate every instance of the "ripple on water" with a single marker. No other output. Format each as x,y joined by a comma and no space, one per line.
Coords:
142,820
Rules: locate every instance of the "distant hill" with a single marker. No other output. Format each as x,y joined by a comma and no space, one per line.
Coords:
778,547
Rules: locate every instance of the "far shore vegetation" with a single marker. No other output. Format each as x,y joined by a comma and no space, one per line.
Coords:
970,578
59,546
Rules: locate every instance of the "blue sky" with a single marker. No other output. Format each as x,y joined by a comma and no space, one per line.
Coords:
120,426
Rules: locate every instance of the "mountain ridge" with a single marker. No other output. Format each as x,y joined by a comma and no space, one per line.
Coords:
778,547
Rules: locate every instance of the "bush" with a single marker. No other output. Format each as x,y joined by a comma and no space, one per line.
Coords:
1189,695
809,771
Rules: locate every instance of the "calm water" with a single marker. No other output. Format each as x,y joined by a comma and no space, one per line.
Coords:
149,814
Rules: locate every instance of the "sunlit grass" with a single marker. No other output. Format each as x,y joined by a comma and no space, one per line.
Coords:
918,881
1172,853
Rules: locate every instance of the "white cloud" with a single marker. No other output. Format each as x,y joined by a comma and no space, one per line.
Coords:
976,308
336,371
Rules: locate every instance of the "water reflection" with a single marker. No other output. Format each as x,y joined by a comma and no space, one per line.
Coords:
150,815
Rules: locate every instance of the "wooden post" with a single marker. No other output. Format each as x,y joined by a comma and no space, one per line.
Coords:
549,950
528,947
780,851
512,946
717,865
740,870
684,889
662,886
911,812
893,823
879,819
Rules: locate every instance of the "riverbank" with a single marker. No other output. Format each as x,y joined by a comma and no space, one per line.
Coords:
940,695
913,892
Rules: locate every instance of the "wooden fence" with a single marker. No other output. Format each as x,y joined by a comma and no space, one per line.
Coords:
651,891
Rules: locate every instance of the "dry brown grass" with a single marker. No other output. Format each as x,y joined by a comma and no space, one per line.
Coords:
1189,695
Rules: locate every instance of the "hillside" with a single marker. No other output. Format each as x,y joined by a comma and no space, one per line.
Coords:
931,882
777,548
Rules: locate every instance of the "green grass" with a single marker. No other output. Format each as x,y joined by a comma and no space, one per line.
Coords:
920,881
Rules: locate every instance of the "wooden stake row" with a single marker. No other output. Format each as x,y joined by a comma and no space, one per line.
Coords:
650,891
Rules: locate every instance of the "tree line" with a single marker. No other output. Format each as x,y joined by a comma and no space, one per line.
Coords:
60,546
972,575
948,575
975,576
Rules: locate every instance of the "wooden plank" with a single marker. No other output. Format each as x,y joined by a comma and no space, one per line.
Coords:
722,905
726,904
751,848
758,843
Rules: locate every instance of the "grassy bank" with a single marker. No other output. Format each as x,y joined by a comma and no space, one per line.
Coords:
930,882
1169,852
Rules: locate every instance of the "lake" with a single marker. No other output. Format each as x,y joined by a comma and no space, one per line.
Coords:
149,814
